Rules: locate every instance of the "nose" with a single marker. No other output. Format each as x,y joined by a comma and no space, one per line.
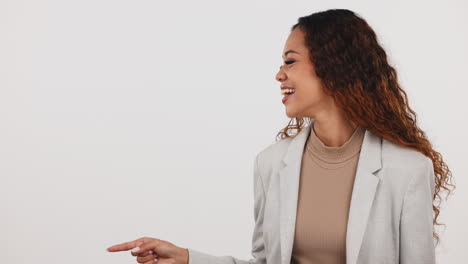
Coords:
280,76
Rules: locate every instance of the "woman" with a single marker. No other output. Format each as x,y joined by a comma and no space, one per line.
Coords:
356,183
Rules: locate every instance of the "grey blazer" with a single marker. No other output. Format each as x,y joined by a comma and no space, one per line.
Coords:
390,215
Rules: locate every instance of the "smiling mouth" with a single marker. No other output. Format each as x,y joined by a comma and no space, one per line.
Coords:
287,91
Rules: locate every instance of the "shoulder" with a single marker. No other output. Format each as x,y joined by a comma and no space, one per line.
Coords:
398,156
273,153
403,169
407,170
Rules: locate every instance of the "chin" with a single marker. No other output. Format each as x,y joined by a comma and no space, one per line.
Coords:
290,114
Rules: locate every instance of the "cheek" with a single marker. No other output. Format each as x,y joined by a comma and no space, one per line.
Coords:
312,91
308,85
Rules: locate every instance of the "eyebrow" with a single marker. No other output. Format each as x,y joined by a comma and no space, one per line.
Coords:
287,52
290,51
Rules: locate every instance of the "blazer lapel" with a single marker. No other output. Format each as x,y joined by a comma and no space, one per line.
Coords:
364,188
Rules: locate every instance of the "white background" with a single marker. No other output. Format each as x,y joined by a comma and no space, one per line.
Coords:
123,119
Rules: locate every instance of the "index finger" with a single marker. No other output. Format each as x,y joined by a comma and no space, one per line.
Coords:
125,246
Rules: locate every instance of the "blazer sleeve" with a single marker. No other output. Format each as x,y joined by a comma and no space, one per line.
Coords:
258,246
416,226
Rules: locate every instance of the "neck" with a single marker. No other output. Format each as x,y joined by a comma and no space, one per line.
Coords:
333,132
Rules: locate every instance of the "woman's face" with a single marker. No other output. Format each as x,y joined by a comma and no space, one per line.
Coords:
298,72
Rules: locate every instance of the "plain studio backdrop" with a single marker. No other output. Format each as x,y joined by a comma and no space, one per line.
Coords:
124,119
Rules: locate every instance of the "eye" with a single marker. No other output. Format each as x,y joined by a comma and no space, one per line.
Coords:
287,62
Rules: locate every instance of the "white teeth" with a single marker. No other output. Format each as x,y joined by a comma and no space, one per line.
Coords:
286,91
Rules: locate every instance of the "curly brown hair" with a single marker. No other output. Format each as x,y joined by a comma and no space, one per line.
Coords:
354,71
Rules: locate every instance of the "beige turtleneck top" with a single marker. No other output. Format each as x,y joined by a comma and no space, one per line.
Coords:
326,183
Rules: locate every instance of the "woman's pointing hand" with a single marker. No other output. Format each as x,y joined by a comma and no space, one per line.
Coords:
151,250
